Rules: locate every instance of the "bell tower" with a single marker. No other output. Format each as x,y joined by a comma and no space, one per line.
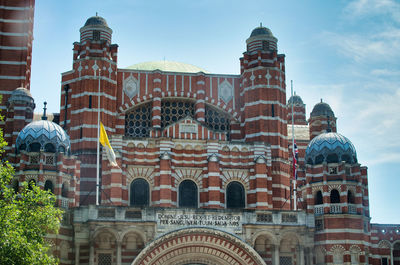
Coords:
264,104
93,75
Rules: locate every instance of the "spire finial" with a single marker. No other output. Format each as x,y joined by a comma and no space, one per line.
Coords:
321,100
96,14
260,24
44,117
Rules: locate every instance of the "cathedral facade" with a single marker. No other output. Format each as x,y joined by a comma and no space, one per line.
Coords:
204,171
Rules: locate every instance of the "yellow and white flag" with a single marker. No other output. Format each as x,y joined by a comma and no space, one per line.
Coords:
106,144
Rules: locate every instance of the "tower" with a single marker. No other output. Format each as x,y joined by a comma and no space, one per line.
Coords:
264,114
16,23
336,191
322,119
94,66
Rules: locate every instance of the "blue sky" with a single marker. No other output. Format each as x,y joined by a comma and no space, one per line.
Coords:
345,52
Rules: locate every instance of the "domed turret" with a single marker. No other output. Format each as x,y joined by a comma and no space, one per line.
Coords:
96,28
261,38
299,110
322,120
330,148
322,109
296,100
21,95
43,135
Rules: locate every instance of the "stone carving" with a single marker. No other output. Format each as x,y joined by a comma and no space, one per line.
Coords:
131,86
225,91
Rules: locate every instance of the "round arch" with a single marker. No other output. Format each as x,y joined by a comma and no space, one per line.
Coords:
202,245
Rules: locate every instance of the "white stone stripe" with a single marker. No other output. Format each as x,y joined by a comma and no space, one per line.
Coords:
15,8
258,190
94,110
13,48
13,62
93,94
13,34
12,77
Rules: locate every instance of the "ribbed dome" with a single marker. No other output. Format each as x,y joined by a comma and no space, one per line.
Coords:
261,31
331,148
45,135
296,100
167,66
96,21
21,94
322,109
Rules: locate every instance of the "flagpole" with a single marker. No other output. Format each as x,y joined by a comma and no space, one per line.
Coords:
293,154
98,145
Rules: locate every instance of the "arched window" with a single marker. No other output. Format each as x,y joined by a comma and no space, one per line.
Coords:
335,196
188,194
319,159
235,195
48,186
15,186
49,148
139,193
350,197
34,147
64,190
332,158
346,158
138,121
31,183
216,119
173,111
318,198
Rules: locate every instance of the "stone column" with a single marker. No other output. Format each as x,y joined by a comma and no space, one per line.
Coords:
119,247
77,253
91,253
276,255
310,256
391,256
301,249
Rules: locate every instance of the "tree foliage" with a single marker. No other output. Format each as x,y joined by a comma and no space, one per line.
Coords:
26,218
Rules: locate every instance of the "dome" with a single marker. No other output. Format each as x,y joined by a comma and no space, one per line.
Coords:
261,31
296,100
96,21
322,109
331,148
43,135
167,66
21,94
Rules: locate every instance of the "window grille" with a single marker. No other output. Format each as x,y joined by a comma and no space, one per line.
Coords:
105,259
34,159
267,218
285,260
138,121
50,160
289,218
173,111
217,120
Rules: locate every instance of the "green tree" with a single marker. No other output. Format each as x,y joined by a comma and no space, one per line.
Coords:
26,218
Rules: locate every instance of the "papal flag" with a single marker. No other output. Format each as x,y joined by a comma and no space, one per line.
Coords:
106,144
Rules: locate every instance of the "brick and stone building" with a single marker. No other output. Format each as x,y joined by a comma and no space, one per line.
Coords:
204,172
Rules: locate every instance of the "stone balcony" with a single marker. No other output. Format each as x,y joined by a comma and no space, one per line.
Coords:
169,219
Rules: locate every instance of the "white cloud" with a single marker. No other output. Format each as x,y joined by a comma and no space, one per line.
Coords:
382,46
363,8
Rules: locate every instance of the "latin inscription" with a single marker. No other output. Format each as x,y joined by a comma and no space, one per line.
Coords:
210,220
188,128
